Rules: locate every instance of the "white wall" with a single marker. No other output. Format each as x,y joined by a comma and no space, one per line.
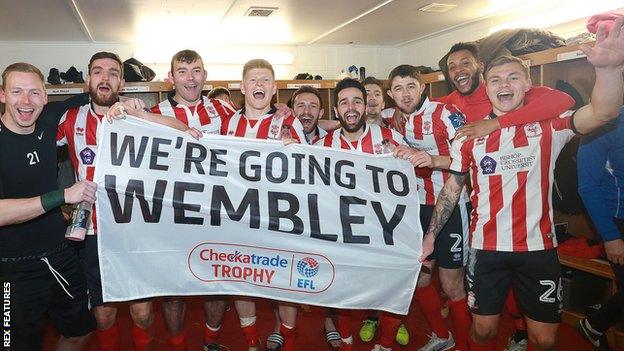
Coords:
428,52
325,60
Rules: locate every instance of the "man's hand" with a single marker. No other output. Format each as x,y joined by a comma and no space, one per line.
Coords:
84,190
397,121
615,251
283,111
195,133
417,158
428,246
131,106
477,129
608,51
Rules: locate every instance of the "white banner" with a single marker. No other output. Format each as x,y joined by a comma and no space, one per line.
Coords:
234,216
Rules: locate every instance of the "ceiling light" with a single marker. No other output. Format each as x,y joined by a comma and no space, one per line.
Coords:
437,7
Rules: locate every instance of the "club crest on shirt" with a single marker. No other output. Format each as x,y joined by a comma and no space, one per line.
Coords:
427,128
457,119
274,131
378,148
80,131
211,111
488,165
87,156
532,130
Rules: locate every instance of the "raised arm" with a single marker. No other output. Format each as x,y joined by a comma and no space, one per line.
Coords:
607,57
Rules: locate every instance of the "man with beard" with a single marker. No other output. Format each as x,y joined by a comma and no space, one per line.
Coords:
512,169
464,70
33,250
429,128
260,119
374,101
356,134
78,129
307,106
187,105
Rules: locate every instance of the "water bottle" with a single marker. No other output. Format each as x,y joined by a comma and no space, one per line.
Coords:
77,228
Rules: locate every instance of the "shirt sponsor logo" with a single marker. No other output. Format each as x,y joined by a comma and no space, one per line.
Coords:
80,131
87,156
488,165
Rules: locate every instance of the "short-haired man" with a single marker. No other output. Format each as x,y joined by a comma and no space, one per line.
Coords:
223,94
78,128
356,134
37,266
512,236
187,105
463,68
308,108
429,127
374,101
259,119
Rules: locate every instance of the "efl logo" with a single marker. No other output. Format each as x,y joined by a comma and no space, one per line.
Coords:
261,266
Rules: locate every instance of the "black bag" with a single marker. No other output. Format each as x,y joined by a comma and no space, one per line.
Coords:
135,71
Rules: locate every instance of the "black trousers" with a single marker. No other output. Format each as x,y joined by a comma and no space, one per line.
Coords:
613,310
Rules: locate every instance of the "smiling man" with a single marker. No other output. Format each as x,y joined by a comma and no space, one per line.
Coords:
512,237
33,250
78,128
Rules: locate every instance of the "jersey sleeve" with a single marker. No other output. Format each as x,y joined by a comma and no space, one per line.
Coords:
461,157
594,180
223,108
540,104
61,136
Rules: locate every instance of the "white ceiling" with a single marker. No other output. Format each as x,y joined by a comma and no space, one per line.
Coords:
364,22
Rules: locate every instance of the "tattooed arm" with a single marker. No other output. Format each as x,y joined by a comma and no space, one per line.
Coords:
445,204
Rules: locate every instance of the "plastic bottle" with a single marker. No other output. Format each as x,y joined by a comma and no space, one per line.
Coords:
77,228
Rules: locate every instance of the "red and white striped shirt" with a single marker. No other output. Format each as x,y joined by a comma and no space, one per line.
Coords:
512,170
370,142
78,129
205,116
265,127
431,129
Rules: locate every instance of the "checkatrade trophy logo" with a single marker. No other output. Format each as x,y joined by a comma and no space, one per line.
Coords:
307,267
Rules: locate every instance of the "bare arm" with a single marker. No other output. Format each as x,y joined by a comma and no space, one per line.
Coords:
445,204
14,211
607,57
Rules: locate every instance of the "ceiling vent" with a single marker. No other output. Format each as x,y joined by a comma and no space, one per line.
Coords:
439,8
256,11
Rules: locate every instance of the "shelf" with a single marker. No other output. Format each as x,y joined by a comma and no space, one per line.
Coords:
597,267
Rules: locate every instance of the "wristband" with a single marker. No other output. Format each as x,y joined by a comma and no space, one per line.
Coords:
52,200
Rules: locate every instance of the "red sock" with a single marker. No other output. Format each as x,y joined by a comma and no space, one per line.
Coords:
389,324
251,334
290,336
461,322
143,339
430,304
344,323
210,335
489,346
178,342
108,339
